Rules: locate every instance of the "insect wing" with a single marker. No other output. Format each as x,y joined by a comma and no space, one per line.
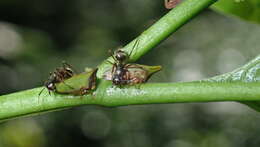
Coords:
76,82
108,75
141,73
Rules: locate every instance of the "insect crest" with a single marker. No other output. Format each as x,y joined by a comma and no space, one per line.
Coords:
87,82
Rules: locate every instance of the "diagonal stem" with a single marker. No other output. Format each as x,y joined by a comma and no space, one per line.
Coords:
163,28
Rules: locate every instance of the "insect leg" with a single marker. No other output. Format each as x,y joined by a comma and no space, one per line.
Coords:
134,46
109,62
112,55
65,64
40,94
113,69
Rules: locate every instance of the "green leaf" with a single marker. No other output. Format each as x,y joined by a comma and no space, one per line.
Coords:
249,73
245,9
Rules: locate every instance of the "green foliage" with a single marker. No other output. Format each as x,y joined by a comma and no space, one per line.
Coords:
245,9
249,73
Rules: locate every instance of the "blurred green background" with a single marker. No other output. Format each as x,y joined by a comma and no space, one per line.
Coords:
35,36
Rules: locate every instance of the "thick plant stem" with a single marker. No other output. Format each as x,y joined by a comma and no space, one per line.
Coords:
28,102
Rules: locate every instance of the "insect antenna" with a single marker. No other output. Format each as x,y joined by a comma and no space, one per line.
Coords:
134,46
40,94
109,62
112,55
65,64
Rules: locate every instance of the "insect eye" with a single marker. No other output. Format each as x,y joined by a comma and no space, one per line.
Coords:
120,55
50,85
117,81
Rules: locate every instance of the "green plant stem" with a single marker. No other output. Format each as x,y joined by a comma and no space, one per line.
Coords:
162,29
28,102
